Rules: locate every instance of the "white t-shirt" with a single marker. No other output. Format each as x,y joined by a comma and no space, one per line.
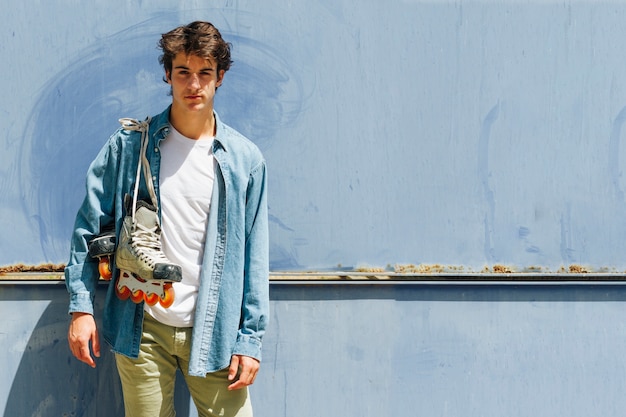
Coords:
186,182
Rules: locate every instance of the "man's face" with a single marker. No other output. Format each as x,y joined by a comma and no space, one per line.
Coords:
194,81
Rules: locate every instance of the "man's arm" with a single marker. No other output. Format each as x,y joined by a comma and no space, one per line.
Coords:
81,272
245,361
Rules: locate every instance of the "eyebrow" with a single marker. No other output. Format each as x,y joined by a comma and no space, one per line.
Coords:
201,69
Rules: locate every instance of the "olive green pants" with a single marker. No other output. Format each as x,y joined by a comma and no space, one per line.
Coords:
148,381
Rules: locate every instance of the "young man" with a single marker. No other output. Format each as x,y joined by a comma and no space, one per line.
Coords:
209,223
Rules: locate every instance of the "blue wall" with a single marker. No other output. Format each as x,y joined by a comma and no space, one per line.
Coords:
462,133
452,349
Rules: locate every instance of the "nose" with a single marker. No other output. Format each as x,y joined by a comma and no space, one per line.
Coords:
194,81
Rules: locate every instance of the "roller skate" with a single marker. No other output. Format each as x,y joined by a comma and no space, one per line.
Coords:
145,272
102,247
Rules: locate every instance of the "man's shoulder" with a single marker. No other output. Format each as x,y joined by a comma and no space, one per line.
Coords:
232,139
133,128
235,137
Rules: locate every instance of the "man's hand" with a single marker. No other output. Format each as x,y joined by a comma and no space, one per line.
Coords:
246,367
81,334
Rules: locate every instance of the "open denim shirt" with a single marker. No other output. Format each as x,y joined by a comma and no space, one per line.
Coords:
232,311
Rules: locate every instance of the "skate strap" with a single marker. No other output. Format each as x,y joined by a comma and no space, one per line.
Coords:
144,128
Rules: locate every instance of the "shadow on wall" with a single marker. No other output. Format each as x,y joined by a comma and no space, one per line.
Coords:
50,382
119,76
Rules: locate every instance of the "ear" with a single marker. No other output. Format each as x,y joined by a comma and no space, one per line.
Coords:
168,77
220,78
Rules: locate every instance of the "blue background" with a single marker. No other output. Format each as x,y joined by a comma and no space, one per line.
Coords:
363,349
464,133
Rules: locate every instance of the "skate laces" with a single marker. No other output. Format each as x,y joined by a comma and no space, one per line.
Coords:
144,128
144,240
146,244
134,124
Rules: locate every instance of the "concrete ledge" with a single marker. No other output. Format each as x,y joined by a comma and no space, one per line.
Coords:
346,276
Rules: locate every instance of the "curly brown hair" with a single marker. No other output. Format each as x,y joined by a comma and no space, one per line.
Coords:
197,38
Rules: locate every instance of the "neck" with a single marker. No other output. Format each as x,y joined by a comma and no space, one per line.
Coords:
194,125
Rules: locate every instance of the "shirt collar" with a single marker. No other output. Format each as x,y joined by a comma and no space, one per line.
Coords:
162,129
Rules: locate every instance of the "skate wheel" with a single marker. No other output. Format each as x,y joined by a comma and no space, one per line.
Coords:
104,268
122,293
151,299
137,296
168,298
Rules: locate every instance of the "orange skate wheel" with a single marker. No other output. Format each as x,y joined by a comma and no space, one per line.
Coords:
104,268
151,299
168,298
137,296
122,293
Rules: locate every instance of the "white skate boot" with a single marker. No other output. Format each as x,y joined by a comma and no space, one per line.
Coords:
145,272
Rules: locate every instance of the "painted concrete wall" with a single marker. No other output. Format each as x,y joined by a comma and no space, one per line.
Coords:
453,349
455,132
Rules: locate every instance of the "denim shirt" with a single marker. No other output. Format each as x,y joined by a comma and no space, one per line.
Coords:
232,311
